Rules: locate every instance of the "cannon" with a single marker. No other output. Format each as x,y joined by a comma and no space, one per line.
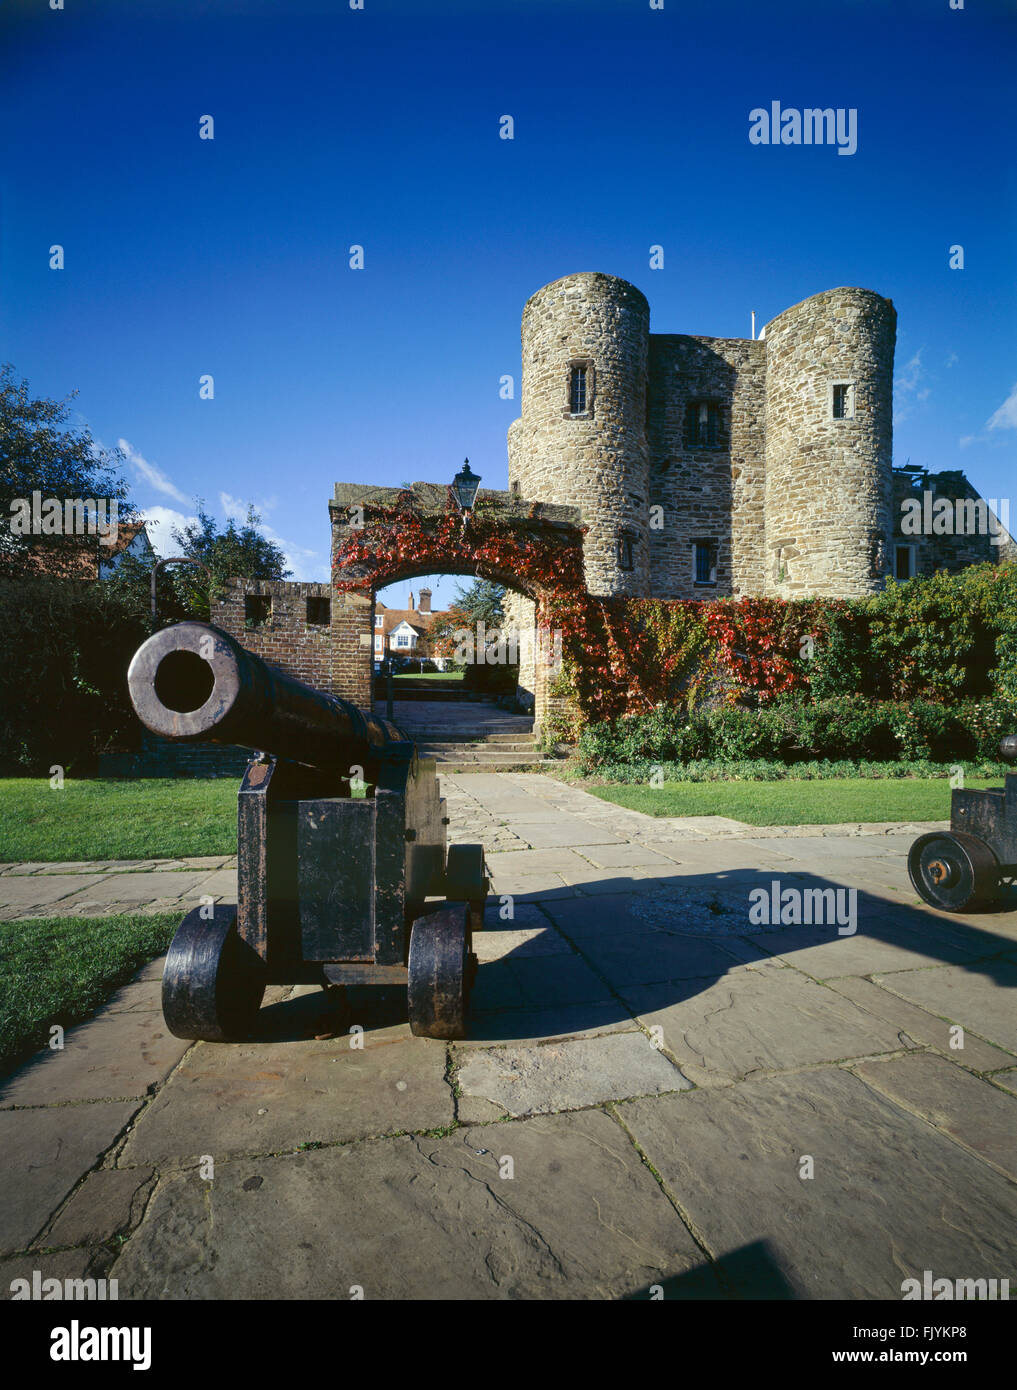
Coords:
341,847
967,866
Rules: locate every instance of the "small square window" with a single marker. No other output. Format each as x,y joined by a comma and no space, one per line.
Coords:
702,425
319,612
704,562
379,620
842,400
257,609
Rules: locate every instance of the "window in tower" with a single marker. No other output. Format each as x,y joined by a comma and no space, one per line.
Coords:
702,425
577,389
704,562
842,400
625,551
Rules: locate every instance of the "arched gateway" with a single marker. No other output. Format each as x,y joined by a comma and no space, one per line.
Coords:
382,536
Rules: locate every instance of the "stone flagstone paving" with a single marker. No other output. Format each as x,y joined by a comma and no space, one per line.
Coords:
645,1073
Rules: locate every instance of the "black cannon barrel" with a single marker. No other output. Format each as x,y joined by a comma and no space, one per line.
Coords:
195,683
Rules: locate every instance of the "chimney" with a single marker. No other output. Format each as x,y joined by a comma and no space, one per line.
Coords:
425,600
410,604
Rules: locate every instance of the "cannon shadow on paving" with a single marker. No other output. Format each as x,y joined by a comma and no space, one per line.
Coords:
573,965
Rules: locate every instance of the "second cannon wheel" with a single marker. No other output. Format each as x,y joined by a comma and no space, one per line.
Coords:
440,972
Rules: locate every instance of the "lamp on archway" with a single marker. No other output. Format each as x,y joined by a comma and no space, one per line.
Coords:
464,487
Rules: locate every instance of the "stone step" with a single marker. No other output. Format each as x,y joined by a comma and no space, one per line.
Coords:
434,746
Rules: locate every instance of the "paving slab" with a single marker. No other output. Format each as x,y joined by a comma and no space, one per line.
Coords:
558,1021
628,855
139,887
756,1020
968,1109
537,982
273,1096
520,944
890,1197
981,998
564,832
43,1153
920,1026
109,1201
31,891
645,957
568,1075
414,1218
534,861
119,1052
59,1264
876,946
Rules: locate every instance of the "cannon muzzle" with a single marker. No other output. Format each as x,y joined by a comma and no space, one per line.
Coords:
195,683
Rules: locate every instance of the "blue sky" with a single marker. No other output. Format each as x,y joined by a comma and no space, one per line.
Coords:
380,127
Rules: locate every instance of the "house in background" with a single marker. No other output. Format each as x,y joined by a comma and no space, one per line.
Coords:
404,632
83,557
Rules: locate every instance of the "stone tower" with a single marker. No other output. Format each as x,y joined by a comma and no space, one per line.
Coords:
829,408
581,436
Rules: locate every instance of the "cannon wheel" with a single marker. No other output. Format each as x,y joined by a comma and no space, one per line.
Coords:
466,881
441,969
213,982
953,870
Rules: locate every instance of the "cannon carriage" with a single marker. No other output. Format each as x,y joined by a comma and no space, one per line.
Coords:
341,847
966,867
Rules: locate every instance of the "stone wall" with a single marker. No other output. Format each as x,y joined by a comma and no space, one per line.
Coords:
596,460
829,499
714,494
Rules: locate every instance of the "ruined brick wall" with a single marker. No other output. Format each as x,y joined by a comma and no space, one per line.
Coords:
829,494
284,638
596,460
712,493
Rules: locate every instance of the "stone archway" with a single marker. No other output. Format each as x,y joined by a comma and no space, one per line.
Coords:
382,536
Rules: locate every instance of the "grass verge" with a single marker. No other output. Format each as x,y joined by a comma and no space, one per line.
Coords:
60,969
825,802
152,818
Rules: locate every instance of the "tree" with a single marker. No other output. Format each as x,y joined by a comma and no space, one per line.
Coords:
478,609
235,552
41,451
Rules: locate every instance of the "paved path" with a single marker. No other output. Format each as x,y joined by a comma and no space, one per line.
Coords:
657,1090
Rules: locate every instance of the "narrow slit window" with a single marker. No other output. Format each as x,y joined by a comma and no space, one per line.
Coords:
625,553
704,562
843,400
702,425
577,390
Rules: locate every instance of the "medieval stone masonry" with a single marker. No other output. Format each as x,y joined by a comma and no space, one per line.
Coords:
700,467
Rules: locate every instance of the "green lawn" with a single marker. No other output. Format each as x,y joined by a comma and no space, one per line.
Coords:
795,803
112,819
58,970
428,676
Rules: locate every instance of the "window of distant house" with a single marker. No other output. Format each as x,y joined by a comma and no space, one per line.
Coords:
702,425
319,612
379,620
580,374
402,640
625,557
704,562
905,562
842,400
257,609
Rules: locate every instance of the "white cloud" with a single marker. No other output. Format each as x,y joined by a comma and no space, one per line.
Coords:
306,564
155,477
160,522
1005,418
908,387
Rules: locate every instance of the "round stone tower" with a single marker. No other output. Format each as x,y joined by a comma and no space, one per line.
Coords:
581,436
829,433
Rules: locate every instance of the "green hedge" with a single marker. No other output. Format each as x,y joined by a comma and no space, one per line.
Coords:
765,770
795,731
